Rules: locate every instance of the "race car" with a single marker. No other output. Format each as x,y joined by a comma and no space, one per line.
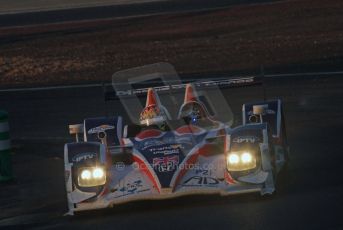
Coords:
162,157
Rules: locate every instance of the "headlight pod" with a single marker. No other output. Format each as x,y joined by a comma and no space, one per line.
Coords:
92,176
240,161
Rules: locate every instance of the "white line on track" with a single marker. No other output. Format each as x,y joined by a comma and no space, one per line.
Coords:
100,85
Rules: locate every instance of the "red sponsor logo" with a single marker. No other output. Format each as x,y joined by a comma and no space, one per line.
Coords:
165,164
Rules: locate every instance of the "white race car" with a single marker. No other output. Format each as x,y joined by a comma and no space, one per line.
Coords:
163,158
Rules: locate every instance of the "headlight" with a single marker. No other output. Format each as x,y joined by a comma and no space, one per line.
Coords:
86,174
246,158
240,161
89,177
233,159
98,173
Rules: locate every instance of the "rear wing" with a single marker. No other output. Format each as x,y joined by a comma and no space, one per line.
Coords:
172,86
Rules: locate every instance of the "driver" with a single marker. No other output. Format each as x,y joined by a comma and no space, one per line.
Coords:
154,114
193,112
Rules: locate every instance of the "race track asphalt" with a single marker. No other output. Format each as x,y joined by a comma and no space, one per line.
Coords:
309,194
116,11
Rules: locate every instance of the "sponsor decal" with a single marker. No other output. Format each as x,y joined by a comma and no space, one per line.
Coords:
246,139
150,143
129,189
197,181
165,164
132,187
101,128
166,150
204,172
83,156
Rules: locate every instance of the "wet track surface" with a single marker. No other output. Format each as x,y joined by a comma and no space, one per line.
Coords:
309,194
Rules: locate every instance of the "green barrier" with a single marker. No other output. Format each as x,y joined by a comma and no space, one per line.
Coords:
5,149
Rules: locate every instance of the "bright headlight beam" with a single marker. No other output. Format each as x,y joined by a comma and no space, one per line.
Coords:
98,173
86,175
246,157
92,176
233,159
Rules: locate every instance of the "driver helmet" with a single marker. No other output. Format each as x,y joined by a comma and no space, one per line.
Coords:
192,112
152,115
192,109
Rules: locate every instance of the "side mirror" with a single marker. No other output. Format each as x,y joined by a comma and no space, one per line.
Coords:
102,136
